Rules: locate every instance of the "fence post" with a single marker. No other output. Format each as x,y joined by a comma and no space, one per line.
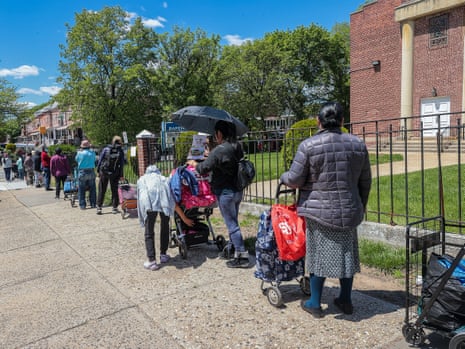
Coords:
145,150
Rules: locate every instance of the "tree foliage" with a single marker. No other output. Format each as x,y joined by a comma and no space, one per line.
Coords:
106,73
13,114
187,64
120,76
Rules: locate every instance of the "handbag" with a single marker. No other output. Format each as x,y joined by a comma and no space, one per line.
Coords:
289,229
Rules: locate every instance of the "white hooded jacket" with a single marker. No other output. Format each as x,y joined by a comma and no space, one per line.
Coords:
153,194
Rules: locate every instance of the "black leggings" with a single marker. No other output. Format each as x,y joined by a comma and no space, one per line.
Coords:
59,182
150,234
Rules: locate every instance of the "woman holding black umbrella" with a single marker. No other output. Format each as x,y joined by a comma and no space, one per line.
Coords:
222,161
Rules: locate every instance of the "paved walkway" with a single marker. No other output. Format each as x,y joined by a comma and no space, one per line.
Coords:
72,279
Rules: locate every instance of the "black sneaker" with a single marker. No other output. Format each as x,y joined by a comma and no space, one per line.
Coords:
238,263
228,252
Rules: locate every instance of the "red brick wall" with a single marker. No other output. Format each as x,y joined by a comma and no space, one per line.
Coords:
440,67
374,36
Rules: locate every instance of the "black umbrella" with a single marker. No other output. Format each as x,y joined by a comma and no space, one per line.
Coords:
203,119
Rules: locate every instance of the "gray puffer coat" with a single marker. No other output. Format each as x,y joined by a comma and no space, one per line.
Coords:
332,171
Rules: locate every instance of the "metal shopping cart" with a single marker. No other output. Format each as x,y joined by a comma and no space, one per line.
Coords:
435,282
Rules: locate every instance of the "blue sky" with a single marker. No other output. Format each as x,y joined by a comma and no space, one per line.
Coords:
31,31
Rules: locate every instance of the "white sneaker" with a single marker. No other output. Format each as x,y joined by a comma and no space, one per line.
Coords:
151,265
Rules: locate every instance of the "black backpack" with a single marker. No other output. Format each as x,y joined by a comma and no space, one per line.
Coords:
111,164
245,173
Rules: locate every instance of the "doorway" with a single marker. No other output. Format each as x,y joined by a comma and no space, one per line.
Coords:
434,116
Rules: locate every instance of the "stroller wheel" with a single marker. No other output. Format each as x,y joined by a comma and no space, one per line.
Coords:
274,296
412,335
220,242
305,285
457,342
173,241
182,249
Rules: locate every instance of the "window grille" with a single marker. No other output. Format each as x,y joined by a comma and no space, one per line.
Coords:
438,27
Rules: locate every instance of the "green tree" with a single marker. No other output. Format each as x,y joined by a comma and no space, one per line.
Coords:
106,68
13,114
248,81
187,64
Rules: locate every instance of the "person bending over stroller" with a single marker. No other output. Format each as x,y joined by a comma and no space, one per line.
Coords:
153,197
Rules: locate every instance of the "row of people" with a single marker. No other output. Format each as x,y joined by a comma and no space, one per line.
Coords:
156,196
332,172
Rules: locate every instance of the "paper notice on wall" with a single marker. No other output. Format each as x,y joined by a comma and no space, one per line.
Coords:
133,151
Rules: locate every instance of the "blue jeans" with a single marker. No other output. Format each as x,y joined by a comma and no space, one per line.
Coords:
228,202
47,177
7,173
87,182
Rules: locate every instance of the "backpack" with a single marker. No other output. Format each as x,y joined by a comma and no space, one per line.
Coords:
110,164
245,173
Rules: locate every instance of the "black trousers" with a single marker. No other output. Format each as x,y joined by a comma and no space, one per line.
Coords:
59,182
102,188
150,233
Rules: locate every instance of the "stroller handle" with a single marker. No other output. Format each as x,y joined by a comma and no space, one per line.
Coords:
280,191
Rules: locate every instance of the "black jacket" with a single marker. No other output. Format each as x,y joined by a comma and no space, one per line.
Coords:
222,161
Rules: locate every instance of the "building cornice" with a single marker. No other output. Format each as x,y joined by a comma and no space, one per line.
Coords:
422,8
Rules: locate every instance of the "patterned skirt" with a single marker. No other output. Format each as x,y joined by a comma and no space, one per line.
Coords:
331,253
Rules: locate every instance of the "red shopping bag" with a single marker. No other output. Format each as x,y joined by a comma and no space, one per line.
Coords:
289,230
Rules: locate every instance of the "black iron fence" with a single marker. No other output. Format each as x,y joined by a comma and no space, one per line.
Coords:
416,165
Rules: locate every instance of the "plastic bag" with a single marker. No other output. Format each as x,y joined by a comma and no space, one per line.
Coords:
289,229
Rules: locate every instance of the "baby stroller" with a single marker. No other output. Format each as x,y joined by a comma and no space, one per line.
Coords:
127,195
70,188
435,282
270,267
198,207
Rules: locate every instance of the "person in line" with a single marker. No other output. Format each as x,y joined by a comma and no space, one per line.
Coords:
37,168
60,169
45,162
7,164
332,171
110,169
153,198
85,159
222,162
29,168
20,166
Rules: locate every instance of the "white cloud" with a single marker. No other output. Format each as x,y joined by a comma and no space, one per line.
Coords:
154,23
236,40
49,90
20,72
29,91
130,16
165,4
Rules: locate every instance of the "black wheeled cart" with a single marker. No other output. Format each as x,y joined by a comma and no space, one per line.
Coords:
435,282
269,267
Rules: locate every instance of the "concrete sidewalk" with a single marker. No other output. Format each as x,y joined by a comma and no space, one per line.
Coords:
72,279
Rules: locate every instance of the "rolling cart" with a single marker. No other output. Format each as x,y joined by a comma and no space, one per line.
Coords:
269,267
435,282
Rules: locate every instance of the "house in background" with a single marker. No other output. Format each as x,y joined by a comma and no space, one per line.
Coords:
407,59
51,125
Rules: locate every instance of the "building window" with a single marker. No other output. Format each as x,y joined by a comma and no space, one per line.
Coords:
438,31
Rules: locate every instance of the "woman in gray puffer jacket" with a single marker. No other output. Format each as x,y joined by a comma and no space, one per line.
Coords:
332,172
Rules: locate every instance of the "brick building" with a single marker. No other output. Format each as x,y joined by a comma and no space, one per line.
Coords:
407,59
